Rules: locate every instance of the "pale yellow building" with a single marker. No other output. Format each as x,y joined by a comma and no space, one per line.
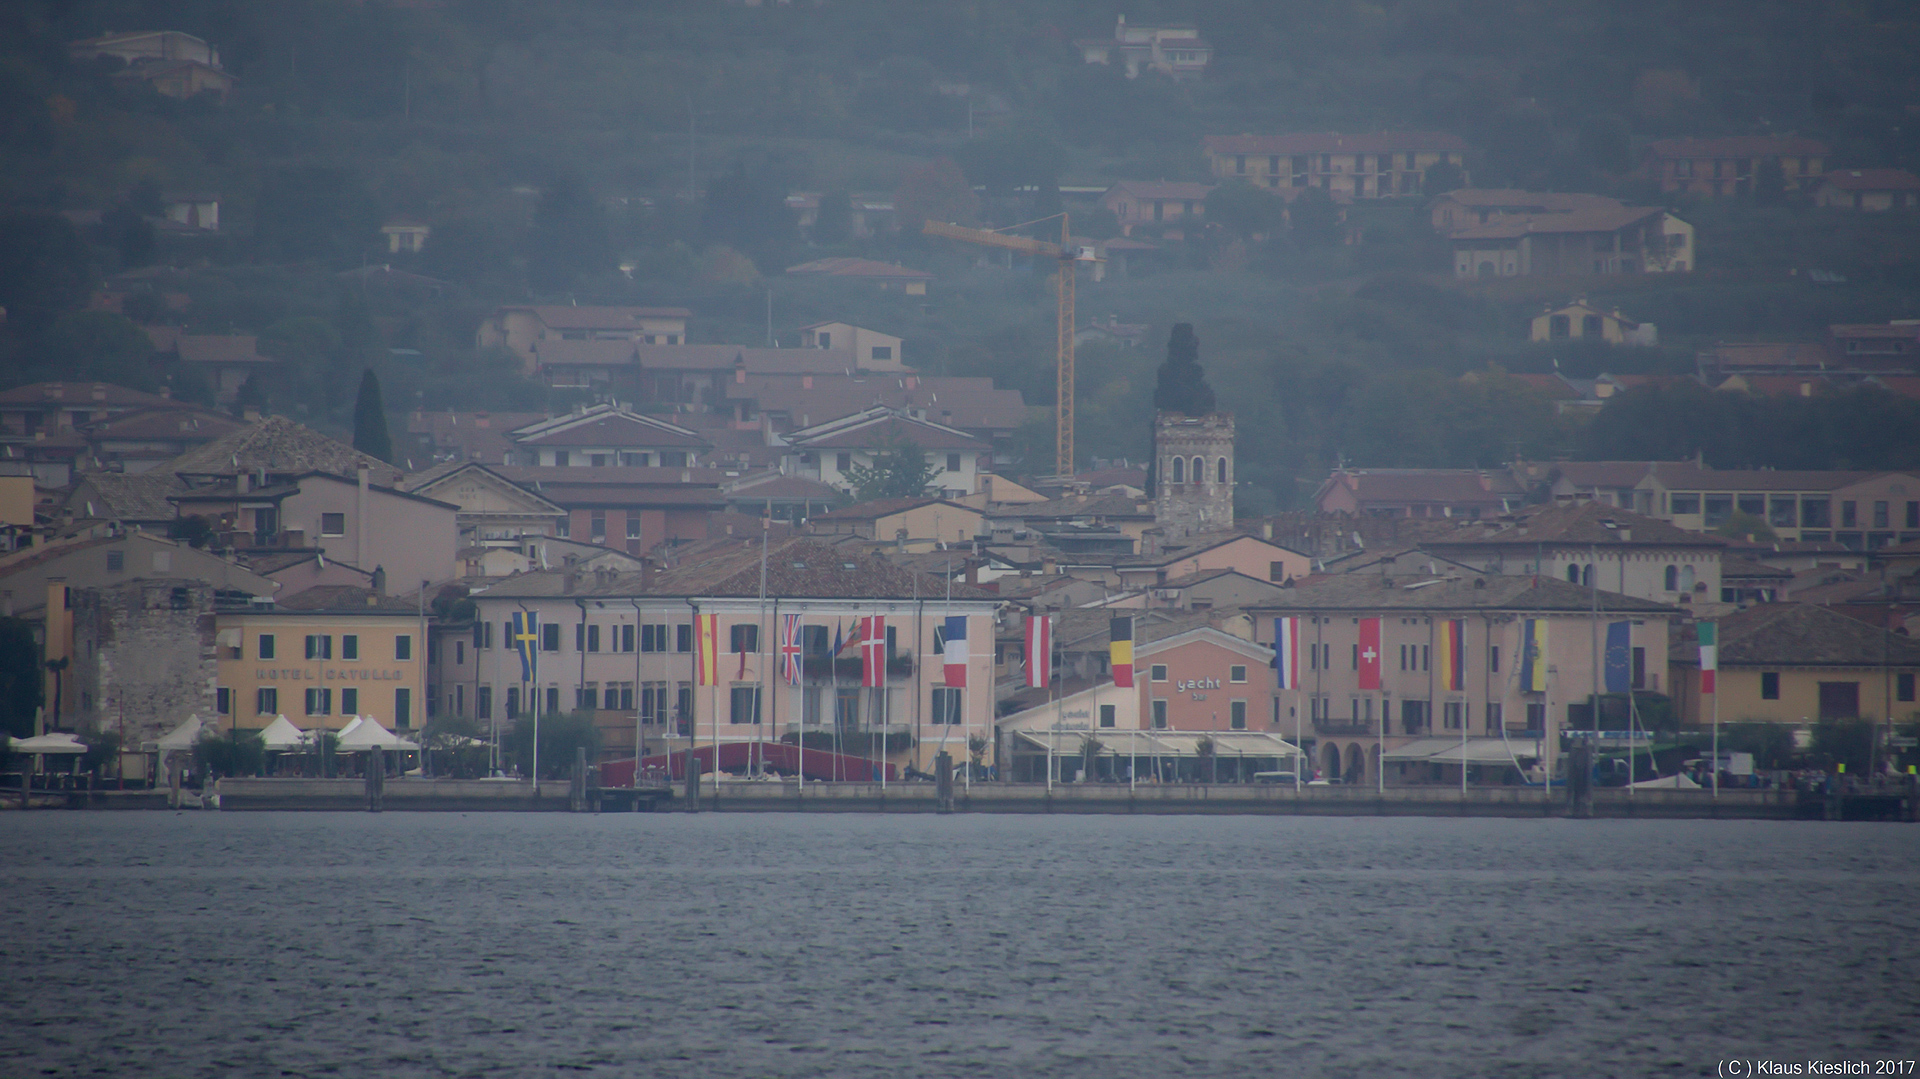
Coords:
1797,664
321,658
1358,166
1581,321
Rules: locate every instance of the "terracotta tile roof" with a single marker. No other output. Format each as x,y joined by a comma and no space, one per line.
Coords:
883,507
470,435
1453,485
1161,189
758,361
117,496
560,352
568,317
1871,180
1798,635
1609,473
279,445
1421,592
1742,569
174,423
1693,478
1506,198
1739,146
1581,523
1331,143
610,476
887,431
773,485
1884,331
82,395
608,426
345,598
1763,354
1074,506
967,403
729,567
1585,219
219,348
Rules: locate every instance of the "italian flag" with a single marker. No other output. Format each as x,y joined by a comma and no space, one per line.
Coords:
1709,636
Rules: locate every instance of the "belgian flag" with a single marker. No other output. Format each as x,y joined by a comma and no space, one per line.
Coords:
1120,633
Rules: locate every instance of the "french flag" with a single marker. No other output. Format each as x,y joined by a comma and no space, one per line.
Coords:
956,650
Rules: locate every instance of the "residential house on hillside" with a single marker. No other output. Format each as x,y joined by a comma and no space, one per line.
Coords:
520,328
1374,671
886,276
1419,492
1175,50
1868,189
625,646
869,214
629,509
971,404
1357,166
174,63
1598,240
910,524
1582,321
1469,206
490,509
695,378
192,209
225,360
826,451
41,408
1848,354
1594,545
1156,202
1730,165
606,435
144,439
405,235
1797,664
872,350
768,493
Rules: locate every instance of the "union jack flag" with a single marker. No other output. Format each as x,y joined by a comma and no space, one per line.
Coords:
790,648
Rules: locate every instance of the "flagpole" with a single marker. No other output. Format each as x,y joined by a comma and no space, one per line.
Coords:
758,765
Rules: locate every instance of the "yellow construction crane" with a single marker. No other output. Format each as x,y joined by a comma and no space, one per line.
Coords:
1066,256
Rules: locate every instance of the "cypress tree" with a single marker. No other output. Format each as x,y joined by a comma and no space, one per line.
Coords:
1181,387
370,420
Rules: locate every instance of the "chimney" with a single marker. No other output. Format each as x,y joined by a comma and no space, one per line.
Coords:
570,581
648,571
379,580
1266,531
806,382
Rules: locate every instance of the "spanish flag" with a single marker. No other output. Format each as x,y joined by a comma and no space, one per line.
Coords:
1453,654
1120,633
706,649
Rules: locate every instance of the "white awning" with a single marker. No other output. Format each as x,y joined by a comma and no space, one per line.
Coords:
1676,781
56,742
365,732
1450,751
1158,743
282,735
183,736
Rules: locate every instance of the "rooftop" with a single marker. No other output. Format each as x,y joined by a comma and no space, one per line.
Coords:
1799,635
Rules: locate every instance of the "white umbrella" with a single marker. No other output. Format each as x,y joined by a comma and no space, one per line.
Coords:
182,737
57,742
282,735
365,732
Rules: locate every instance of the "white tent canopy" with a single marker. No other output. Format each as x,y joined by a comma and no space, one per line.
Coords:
282,735
183,736
1676,781
56,742
365,732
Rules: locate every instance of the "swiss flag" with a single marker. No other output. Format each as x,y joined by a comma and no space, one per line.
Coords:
1369,653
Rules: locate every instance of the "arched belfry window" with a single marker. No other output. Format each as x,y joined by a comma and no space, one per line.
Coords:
1199,470
1223,470
1178,474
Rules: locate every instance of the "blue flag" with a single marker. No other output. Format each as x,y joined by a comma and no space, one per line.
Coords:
1619,667
526,641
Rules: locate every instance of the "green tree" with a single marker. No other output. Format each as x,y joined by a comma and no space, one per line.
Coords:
748,212
370,419
231,753
1181,383
1246,211
834,223
99,346
570,235
1315,218
935,191
20,677
899,471
1442,177
560,734
45,269
1745,526
313,212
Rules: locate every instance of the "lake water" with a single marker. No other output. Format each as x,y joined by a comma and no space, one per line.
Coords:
408,944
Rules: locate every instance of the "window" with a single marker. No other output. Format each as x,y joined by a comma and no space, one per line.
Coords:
953,462
1558,327
1493,717
1913,515
319,646
549,637
513,702
1573,573
1639,668
587,696
1240,164
563,526
560,458
653,638
1849,515
1237,673
1237,715
744,705
1672,579
579,636
1178,471
1536,715
266,701
597,526
483,702
883,352
1782,511
266,646
683,637
223,701
653,703
403,645
1107,715
946,706
403,706
746,638
1816,513
1769,685
1493,658
1882,514
1276,571
116,561
1199,470
1159,715
349,702
626,637
633,526
1157,673
1903,687
1590,326
634,460
350,646
553,699
843,461
1686,504
1453,715
1220,469
593,638
319,702
333,524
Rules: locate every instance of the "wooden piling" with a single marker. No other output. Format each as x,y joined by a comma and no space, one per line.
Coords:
943,781
376,778
577,785
693,783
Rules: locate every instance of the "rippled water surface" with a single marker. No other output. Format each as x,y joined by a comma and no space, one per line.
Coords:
230,944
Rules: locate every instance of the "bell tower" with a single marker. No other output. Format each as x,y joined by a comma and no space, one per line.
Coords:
1194,473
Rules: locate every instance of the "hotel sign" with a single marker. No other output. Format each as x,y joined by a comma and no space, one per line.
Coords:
329,674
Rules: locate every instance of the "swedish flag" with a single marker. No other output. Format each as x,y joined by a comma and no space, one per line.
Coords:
526,641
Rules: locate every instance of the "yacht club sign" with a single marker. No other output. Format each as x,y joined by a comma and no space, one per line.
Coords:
1195,684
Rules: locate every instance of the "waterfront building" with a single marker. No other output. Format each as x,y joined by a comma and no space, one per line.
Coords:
1428,670
321,658
625,647
1798,664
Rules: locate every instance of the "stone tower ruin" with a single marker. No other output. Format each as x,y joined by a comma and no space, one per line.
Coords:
1193,473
